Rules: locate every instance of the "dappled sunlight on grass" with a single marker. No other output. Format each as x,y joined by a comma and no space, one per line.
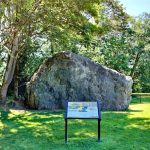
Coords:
41,130
141,119
1,125
137,126
85,133
13,130
143,110
1,128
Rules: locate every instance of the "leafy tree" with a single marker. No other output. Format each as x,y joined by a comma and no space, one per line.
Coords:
139,52
63,24
141,27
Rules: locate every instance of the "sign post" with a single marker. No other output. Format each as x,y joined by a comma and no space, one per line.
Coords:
66,131
82,110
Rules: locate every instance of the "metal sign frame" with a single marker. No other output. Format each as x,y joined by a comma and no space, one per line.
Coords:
97,118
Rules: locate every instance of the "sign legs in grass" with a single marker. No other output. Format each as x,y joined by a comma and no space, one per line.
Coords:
82,110
66,131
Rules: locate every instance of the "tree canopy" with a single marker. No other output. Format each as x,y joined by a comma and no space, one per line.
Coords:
31,30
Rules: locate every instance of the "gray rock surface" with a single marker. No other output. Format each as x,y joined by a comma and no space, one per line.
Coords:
68,76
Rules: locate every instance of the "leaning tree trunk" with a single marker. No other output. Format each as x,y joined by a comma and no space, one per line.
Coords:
16,81
9,72
137,58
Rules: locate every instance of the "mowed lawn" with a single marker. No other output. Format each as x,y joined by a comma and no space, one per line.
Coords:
34,130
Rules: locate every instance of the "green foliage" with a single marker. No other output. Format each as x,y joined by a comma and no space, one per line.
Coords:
98,29
45,130
141,51
142,74
114,50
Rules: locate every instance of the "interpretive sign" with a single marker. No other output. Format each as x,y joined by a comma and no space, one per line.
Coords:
82,110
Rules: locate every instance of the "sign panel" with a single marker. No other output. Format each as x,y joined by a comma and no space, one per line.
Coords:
82,110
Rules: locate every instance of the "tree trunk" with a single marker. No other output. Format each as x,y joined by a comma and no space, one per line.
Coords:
9,72
137,58
16,81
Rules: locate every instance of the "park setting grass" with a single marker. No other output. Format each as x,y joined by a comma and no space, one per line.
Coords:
44,130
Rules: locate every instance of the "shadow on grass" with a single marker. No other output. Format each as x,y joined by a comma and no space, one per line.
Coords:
131,110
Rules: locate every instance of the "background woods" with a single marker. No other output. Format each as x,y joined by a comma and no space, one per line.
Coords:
32,30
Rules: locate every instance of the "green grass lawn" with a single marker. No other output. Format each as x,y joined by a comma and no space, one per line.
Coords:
34,130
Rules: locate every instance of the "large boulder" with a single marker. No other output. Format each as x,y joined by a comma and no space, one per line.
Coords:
68,76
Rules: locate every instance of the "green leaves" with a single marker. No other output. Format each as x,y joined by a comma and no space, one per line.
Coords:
98,29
